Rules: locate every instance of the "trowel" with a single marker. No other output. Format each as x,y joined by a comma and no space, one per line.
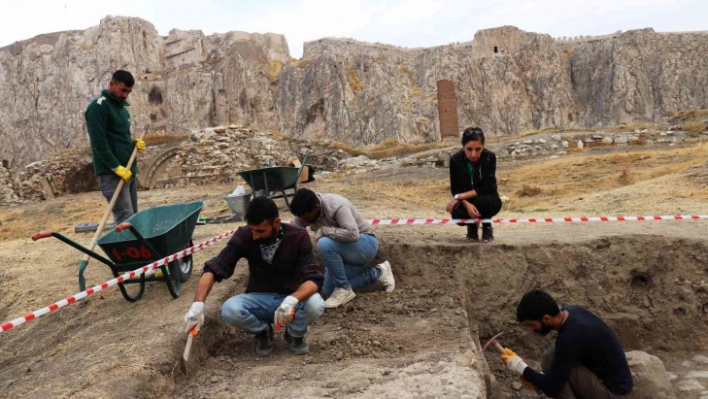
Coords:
191,334
495,342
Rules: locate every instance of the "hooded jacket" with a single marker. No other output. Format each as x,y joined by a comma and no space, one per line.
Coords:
484,181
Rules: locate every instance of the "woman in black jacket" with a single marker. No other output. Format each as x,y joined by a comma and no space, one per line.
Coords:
473,184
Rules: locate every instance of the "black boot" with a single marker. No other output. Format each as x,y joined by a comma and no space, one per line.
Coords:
473,232
264,342
298,345
487,232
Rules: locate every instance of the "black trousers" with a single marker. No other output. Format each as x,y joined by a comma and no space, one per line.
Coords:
487,205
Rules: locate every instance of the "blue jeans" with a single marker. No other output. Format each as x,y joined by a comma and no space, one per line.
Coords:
347,263
254,311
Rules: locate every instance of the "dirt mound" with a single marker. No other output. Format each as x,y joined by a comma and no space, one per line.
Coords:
648,289
422,340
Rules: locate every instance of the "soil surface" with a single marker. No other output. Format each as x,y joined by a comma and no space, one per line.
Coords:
647,280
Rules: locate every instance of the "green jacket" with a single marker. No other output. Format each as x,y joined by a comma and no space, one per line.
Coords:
108,125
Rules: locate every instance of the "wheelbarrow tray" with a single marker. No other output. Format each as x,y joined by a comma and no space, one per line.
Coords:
168,229
270,179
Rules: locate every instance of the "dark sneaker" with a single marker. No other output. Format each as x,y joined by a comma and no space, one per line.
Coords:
298,345
473,232
487,232
264,342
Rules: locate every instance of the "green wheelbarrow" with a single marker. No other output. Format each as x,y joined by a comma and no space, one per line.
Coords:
144,238
274,179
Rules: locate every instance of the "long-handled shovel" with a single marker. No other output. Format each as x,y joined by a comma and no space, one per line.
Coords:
106,214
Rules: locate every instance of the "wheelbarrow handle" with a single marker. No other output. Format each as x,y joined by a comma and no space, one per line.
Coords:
123,226
42,234
62,238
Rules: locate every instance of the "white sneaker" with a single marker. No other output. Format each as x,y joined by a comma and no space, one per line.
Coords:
386,277
339,297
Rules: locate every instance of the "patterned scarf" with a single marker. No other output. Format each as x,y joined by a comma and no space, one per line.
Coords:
268,251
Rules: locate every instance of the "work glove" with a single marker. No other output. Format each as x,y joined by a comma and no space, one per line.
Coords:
139,144
513,362
123,173
285,312
528,384
195,317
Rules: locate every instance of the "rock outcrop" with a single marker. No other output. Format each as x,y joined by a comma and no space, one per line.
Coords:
506,81
650,378
8,189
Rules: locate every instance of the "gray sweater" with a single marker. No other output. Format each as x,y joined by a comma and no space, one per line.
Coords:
338,220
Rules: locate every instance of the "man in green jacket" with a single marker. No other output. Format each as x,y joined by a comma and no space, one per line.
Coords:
108,124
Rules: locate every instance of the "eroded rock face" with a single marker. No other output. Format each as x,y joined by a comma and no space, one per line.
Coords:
506,81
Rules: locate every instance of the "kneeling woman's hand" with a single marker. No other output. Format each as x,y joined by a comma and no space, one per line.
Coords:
472,210
451,205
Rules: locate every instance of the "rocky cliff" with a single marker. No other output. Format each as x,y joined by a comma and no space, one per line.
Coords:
507,80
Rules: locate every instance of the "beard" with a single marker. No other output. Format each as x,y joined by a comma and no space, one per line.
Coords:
545,329
268,240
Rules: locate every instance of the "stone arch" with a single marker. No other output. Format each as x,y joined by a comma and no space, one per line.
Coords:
150,177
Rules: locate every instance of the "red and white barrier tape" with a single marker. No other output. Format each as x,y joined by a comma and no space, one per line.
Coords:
380,222
126,276
375,222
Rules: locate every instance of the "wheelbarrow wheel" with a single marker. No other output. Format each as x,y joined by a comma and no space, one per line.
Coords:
185,266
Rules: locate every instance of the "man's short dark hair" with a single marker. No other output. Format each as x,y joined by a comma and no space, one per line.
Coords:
303,201
472,134
124,77
260,209
534,305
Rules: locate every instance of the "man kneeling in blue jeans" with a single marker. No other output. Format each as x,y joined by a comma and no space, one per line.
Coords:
346,243
283,282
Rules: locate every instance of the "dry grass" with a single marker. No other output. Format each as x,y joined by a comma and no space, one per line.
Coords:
354,83
691,115
550,130
568,178
624,128
529,191
68,152
273,70
417,92
406,70
164,138
389,148
301,64
695,126
625,177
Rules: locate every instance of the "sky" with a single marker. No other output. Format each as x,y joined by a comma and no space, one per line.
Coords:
413,23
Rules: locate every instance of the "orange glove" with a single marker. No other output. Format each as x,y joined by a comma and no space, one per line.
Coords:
513,362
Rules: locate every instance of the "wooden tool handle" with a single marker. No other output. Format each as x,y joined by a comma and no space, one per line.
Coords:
112,203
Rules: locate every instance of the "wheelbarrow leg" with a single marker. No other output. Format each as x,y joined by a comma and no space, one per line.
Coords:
285,197
173,277
124,292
